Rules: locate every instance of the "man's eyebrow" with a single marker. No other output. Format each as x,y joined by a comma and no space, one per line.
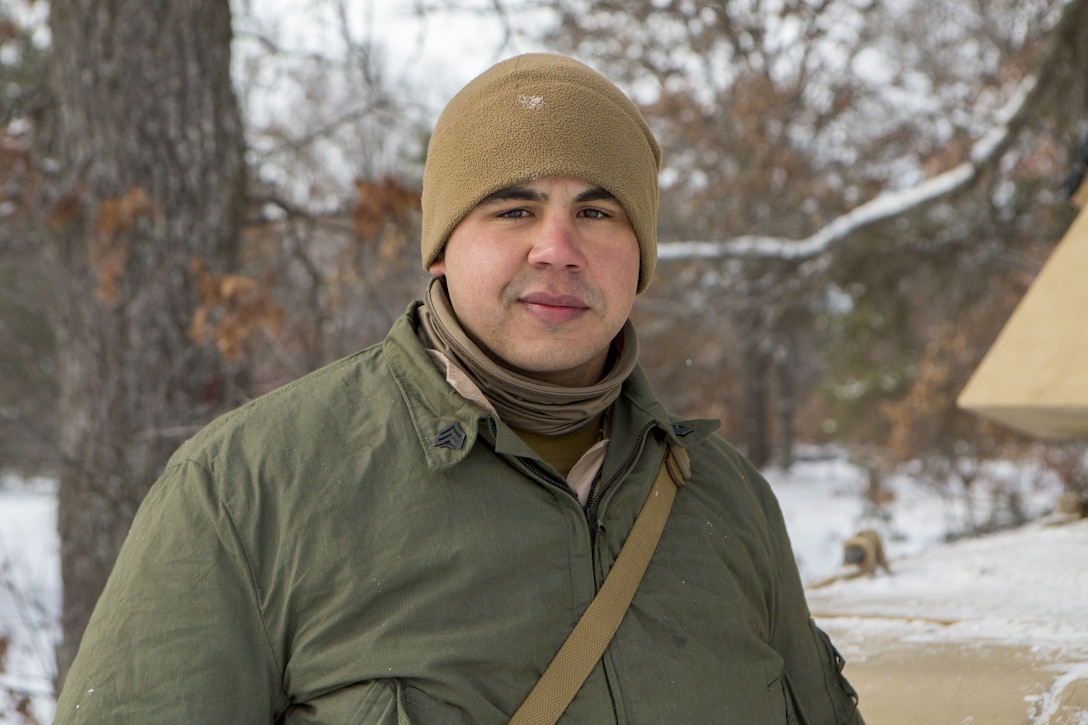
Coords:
514,193
595,193
519,192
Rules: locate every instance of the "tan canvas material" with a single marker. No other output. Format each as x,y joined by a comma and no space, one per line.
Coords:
1035,376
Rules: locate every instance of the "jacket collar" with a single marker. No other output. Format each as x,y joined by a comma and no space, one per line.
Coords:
446,424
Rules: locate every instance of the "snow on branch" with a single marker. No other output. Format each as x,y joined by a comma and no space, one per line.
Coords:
985,152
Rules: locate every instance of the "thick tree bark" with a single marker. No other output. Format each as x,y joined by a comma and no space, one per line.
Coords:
786,403
758,371
148,143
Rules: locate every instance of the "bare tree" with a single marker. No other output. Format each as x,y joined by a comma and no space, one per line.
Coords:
147,143
335,158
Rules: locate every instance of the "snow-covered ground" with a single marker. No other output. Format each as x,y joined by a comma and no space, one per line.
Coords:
1023,587
29,597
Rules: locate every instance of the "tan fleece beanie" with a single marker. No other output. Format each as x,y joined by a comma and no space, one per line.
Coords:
533,116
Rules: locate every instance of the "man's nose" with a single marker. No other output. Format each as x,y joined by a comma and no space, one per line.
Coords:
558,244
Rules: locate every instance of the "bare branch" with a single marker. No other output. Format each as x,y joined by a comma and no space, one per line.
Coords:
984,154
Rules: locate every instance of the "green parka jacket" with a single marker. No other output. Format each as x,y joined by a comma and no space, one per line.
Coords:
366,546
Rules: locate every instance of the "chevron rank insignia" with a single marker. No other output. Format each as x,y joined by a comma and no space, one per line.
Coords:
451,436
682,429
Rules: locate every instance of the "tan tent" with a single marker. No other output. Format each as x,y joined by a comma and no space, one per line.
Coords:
1035,377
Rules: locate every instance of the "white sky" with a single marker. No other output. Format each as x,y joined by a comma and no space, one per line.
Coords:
437,55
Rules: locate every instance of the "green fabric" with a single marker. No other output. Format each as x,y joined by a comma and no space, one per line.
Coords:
561,452
313,557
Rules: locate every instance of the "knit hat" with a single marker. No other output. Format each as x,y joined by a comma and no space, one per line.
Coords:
533,116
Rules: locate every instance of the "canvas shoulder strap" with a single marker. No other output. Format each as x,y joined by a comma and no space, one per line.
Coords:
586,643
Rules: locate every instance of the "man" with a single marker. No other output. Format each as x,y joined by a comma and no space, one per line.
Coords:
410,534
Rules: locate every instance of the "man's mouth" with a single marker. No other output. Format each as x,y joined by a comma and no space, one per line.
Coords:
554,307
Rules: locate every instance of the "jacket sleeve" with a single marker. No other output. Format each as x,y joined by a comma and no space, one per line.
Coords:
177,635
813,667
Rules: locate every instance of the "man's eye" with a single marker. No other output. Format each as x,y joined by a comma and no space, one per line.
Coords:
595,213
513,213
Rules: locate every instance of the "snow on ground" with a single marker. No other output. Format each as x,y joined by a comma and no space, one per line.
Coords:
823,504
29,596
1020,587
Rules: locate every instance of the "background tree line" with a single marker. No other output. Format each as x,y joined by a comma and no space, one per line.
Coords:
194,210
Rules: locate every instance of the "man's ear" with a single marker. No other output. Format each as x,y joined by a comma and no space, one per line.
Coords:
438,267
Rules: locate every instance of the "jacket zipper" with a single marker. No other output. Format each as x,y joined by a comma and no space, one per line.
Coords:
546,476
595,529
537,470
590,510
559,483
595,493
594,499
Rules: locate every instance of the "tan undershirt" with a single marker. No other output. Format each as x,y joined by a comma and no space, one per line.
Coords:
576,456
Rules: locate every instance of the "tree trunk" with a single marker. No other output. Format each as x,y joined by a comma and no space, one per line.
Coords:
757,372
786,401
148,144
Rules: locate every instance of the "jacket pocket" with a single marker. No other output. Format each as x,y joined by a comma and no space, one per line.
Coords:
374,702
391,702
416,706
380,705
844,698
794,714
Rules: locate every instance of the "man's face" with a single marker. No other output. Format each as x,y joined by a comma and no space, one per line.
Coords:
542,277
